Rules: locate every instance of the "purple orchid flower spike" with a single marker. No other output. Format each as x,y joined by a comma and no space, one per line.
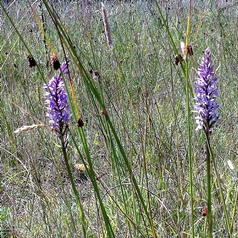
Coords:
58,108
206,105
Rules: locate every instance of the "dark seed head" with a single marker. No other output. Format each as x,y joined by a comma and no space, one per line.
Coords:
80,122
55,62
178,59
31,60
189,50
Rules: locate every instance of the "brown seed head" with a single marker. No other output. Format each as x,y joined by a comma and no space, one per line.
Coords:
31,60
80,122
106,26
189,50
204,211
55,62
178,59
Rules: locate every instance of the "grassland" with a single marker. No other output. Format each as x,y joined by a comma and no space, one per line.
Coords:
134,141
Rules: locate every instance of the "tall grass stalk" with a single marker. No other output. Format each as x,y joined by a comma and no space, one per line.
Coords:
188,99
188,91
93,92
138,193
106,26
190,156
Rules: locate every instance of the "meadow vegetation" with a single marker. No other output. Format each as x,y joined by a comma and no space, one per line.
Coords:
127,171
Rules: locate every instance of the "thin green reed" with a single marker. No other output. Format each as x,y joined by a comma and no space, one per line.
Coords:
116,61
190,155
80,129
94,94
188,98
189,93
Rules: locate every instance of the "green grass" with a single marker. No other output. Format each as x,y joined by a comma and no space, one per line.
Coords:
137,155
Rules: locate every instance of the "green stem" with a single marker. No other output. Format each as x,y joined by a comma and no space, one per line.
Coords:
76,194
209,190
229,229
190,157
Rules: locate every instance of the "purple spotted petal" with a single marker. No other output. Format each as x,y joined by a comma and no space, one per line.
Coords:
206,105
